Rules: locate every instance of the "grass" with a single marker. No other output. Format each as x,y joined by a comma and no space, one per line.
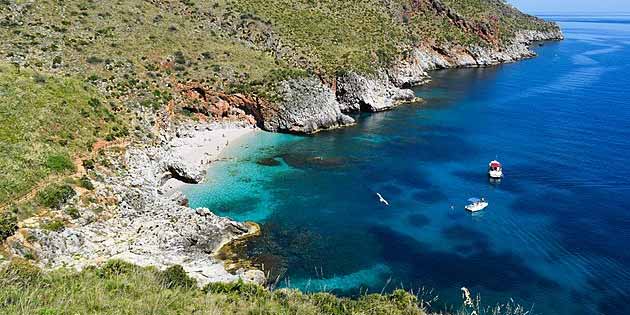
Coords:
121,288
357,35
45,121
506,19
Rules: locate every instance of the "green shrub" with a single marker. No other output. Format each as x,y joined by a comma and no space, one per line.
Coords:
8,224
239,288
29,256
116,267
59,163
54,196
19,272
86,183
94,60
56,62
73,212
176,277
88,164
55,225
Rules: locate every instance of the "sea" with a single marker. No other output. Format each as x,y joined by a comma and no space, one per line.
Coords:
555,237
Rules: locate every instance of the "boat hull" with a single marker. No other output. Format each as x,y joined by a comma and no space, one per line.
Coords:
495,174
476,207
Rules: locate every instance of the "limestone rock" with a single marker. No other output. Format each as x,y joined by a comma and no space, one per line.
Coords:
183,171
307,106
145,227
359,93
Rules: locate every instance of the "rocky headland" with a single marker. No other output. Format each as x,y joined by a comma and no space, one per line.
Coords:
309,105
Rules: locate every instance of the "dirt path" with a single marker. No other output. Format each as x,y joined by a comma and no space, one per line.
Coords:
80,171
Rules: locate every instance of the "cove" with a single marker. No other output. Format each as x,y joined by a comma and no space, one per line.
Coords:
556,232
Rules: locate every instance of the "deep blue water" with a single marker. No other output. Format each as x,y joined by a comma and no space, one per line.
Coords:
556,234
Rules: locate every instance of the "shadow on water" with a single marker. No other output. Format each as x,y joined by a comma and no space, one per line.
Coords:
418,220
444,270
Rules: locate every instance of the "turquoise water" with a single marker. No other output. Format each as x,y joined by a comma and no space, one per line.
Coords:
556,235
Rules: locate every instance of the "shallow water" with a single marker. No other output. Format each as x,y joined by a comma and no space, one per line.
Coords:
556,234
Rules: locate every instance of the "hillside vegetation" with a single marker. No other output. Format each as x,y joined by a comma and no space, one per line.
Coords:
121,288
45,121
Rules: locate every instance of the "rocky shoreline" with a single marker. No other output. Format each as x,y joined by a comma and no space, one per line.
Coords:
141,218
309,105
145,224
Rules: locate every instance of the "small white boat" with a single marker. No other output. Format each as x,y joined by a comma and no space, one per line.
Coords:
476,204
495,170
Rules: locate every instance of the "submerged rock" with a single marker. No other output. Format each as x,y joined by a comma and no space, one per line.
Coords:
297,160
268,162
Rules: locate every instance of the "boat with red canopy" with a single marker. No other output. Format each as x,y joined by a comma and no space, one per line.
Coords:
495,169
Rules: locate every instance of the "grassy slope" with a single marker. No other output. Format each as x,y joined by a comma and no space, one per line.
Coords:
509,19
120,288
334,35
126,55
45,121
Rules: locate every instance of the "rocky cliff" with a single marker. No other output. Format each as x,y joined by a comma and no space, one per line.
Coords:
309,106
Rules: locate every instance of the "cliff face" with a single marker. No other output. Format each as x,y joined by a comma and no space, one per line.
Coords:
387,88
423,35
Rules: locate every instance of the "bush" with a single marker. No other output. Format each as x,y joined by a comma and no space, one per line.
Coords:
55,225
59,162
54,196
19,272
239,288
176,277
86,183
73,212
8,225
94,60
116,267
56,62
88,164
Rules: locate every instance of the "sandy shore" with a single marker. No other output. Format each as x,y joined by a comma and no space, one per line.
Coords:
202,147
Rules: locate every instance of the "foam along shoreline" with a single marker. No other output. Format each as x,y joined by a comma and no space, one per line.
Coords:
198,150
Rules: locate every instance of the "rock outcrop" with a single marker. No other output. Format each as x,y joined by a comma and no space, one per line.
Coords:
413,70
144,226
360,93
307,106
